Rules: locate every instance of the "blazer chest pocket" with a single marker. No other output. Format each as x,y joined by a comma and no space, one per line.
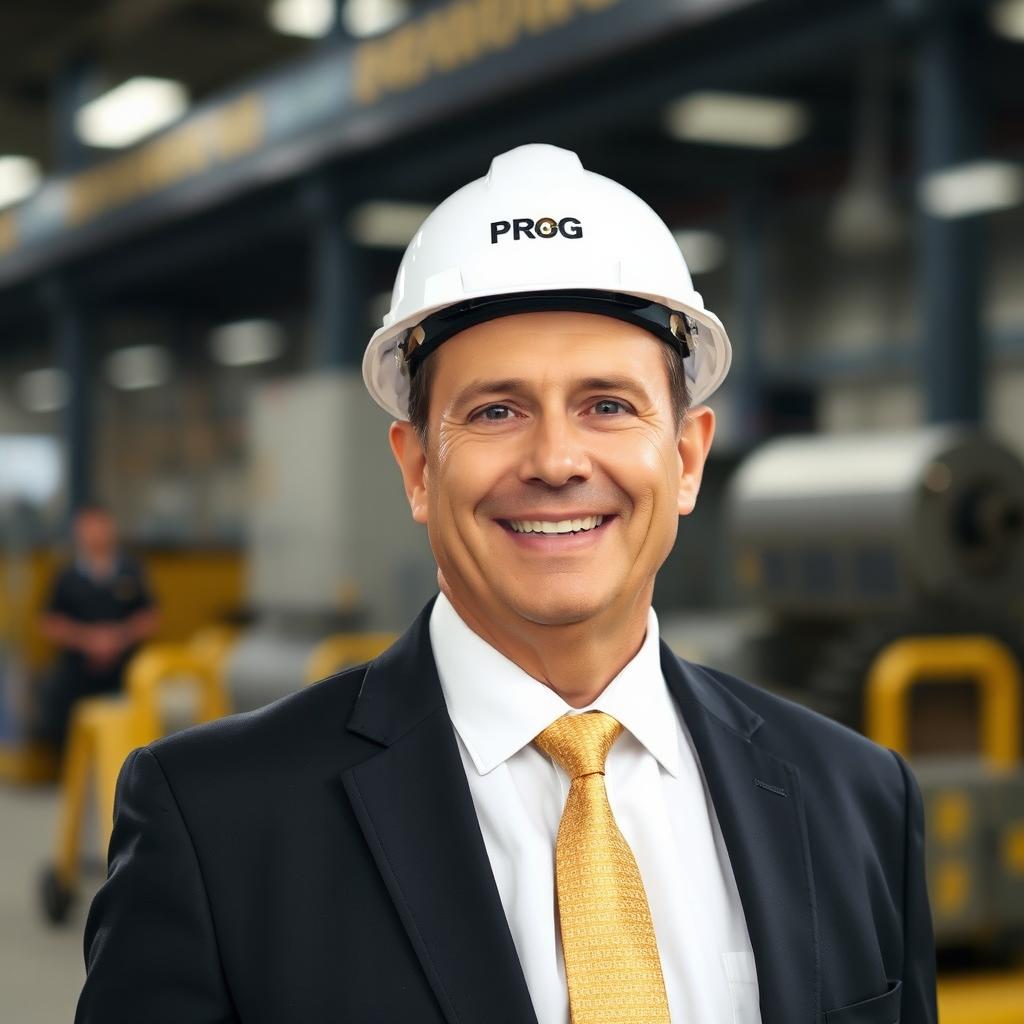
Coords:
883,1009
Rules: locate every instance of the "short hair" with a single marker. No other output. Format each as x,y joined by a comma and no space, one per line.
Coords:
93,507
679,391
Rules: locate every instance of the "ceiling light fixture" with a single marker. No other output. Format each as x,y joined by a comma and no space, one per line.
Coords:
43,390
703,250
734,119
1007,19
384,224
19,178
130,111
978,186
247,342
363,18
307,19
138,367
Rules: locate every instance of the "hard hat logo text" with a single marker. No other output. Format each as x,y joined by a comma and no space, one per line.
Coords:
546,227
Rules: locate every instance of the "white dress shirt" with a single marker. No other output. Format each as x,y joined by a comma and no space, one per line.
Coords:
658,795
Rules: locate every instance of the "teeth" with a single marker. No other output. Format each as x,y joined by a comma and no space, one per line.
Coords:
562,526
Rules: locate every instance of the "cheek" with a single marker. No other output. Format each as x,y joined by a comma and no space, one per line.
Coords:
646,469
463,473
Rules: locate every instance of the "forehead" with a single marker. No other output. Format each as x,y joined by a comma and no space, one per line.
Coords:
93,517
546,345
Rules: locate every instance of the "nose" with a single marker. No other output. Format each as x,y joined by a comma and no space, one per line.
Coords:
556,452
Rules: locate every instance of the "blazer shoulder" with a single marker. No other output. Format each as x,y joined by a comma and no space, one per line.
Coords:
300,728
811,739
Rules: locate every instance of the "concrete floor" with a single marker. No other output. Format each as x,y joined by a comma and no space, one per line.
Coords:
42,967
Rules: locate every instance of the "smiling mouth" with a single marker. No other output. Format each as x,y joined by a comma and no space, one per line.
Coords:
549,526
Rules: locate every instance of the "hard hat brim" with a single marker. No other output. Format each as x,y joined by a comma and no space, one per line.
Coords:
387,375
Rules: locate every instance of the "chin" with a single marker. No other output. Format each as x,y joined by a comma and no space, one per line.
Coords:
553,609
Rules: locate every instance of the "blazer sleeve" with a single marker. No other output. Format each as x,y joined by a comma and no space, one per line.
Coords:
150,948
919,995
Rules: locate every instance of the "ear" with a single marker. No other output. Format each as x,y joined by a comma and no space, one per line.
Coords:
412,462
694,444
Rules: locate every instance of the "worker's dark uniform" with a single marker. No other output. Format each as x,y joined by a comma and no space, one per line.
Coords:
86,599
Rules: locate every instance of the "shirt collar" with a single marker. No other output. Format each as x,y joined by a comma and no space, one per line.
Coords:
498,709
88,569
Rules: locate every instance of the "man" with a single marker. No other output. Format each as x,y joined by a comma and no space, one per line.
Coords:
100,609
528,809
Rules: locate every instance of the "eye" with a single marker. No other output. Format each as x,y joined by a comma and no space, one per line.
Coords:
609,406
493,413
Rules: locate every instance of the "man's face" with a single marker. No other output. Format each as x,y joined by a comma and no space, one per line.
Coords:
543,418
95,534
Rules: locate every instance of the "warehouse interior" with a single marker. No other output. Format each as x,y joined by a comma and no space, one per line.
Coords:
203,206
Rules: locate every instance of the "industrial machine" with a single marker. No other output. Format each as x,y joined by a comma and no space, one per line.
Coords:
29,485
331,546
883,581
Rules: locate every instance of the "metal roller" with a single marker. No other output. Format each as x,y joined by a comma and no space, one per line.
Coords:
831,526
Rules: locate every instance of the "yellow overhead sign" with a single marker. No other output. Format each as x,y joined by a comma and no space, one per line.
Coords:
455,36
197,146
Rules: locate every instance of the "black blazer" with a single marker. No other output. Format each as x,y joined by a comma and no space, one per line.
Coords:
319,861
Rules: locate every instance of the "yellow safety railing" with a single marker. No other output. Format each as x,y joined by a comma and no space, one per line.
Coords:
911,660
104,730
214,643
344,649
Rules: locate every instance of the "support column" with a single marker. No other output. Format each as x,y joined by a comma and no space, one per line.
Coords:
748,286
74,85
951,252
70,328
339,312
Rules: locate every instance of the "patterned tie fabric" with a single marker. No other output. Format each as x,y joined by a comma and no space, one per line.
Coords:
612,965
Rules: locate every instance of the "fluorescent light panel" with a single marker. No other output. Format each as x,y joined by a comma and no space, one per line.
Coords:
1007,19
19,178
387,225
363,18
138,367
43,390
734,119
307,19
702,250
312,19
247,342
130,111
979,186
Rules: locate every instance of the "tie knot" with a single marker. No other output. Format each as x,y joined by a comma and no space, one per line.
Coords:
580,743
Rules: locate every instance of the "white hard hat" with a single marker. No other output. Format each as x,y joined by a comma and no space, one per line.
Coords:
540,232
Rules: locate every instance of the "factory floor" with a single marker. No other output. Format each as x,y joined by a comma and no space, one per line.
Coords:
41,966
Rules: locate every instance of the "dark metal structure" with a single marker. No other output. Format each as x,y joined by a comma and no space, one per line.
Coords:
248,195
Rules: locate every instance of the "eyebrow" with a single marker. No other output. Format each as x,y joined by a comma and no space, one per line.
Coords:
518,386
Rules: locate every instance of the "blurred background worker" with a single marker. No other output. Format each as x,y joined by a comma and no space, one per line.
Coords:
100,610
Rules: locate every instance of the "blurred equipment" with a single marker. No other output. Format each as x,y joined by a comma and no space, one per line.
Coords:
850,542
104,731
974,806
888,571
29,483
866,217
345,649
344,559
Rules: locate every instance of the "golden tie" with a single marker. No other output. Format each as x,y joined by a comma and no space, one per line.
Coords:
612,965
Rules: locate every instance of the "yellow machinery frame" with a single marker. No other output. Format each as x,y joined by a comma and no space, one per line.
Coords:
105,730
344,649
989,662
991,997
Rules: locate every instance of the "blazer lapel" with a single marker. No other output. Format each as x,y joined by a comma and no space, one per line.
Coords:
413,804
758,801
